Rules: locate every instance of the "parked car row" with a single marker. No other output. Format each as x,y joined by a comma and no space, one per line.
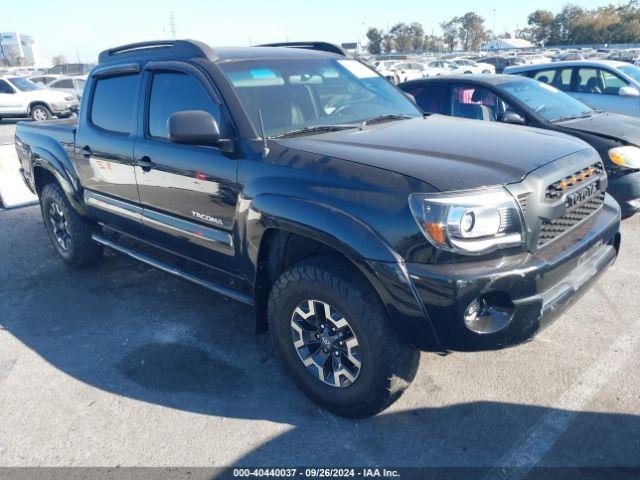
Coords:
70,84
402,71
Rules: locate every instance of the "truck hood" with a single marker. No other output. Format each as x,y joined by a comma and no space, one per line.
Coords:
445,152
611,125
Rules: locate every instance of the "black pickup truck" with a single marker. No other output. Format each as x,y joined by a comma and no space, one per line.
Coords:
302,183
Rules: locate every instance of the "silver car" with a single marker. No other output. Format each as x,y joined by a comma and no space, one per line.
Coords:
602,84
73,85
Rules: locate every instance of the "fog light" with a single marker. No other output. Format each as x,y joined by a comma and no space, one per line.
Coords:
490,313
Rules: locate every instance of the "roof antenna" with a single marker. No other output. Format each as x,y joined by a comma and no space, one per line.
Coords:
265,147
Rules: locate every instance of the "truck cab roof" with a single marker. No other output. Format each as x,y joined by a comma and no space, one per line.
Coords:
182,49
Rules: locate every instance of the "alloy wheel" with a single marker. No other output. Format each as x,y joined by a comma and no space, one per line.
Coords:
60,226
326,343
40,114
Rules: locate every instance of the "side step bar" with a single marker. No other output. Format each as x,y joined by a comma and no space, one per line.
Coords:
220,289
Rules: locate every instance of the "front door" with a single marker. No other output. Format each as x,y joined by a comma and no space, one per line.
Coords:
9,99
188,192
599,88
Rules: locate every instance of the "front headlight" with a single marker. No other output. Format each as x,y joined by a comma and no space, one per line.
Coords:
627,156
68,98
472,222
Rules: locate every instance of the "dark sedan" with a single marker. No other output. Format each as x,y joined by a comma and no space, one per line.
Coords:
523,101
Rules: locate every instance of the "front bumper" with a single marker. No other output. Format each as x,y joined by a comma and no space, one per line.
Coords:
65,108
540,285
626,191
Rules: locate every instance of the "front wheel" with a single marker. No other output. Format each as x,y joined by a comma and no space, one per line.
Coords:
336,340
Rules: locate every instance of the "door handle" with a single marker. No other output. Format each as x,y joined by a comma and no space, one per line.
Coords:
86,151
145,163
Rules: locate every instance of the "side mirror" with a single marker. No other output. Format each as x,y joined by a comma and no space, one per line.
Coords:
628,92
193,127
511,117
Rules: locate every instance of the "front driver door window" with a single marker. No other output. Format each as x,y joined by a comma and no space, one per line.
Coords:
474,102
599,89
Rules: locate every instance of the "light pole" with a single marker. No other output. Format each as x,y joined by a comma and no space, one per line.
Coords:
493,27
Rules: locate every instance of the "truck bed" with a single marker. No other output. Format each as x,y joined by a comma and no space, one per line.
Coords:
62,130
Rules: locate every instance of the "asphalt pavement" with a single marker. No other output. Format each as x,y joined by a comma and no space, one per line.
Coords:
8,129
124,365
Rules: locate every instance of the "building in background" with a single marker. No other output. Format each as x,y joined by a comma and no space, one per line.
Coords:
17,49
507,44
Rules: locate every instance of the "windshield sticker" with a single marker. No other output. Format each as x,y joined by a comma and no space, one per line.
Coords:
263,73
357,69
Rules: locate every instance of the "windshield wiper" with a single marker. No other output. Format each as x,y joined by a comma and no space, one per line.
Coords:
317,129
386,118
585,114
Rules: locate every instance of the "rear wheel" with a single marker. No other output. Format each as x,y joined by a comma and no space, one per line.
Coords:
336,340
70,233
40,113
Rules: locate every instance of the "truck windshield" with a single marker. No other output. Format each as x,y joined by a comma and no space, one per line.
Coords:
23,84
547,101
299,94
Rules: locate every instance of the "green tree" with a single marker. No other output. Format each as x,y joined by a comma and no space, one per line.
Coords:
471,31
401,33
542,23
59,60
417,36
450,33
375,41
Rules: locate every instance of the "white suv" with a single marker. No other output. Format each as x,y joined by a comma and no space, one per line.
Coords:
20,97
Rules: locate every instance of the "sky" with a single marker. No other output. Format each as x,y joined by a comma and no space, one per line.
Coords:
82,28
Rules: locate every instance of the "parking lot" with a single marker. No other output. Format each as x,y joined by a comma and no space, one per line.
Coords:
7,130
124,365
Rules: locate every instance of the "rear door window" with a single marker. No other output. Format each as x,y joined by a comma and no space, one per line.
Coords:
113,104
66,83
588,80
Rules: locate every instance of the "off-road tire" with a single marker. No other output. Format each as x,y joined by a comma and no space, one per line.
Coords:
389,365
82,251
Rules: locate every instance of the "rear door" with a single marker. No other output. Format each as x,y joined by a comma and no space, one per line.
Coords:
104,146
188,192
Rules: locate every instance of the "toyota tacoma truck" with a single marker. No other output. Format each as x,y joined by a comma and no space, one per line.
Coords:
302,183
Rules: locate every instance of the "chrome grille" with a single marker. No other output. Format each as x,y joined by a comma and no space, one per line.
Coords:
556,189
552,229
